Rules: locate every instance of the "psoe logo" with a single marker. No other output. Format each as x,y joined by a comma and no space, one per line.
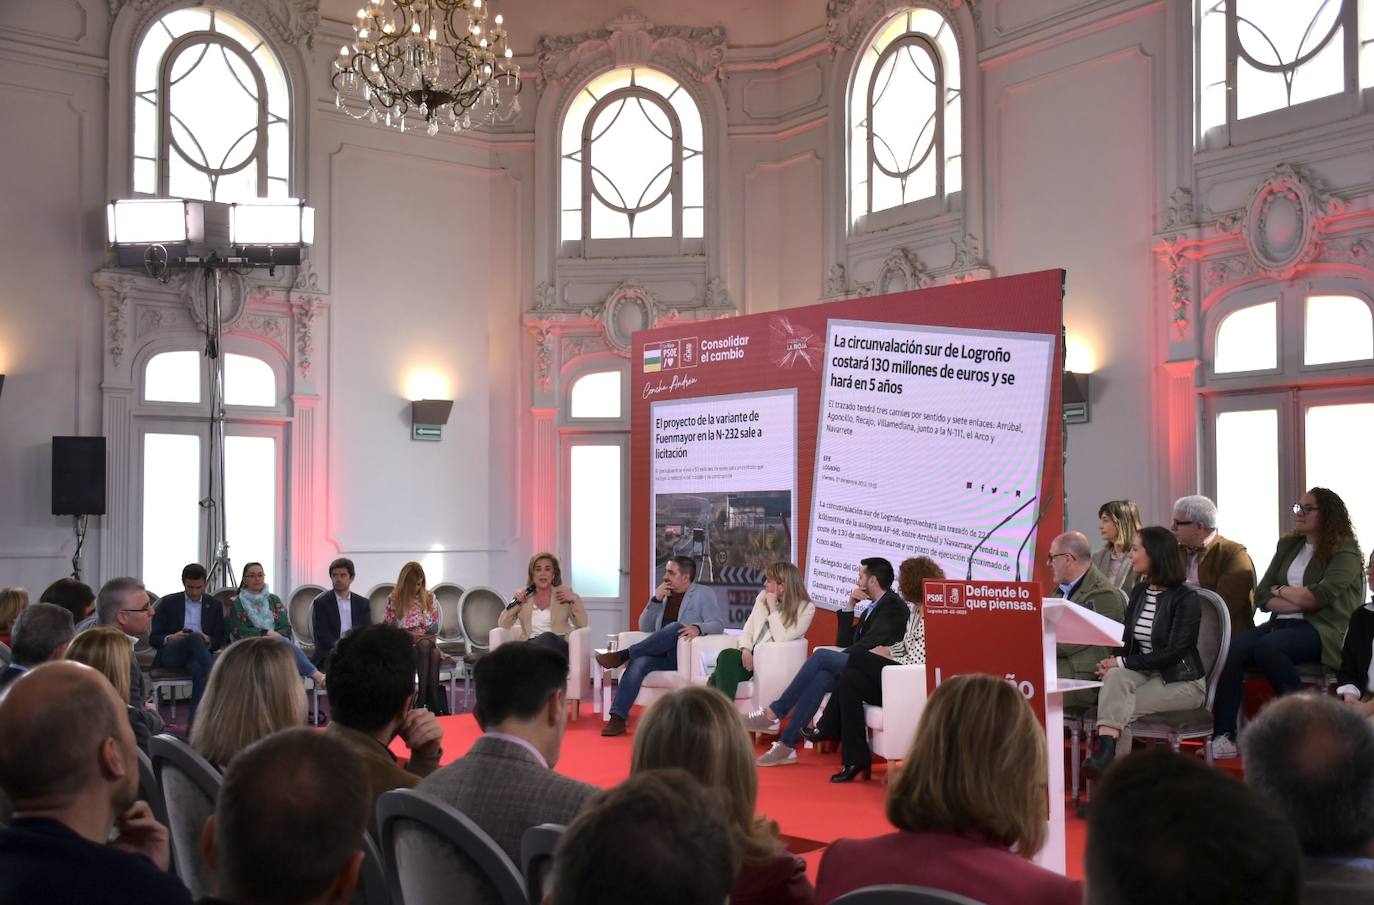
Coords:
956,597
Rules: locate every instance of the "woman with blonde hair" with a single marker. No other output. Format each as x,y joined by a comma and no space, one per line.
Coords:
106,650
697,729
1118,521
12,603
254,691
782,612
412,607
546,610
969,806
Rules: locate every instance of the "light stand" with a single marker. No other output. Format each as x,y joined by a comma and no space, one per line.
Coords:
159,234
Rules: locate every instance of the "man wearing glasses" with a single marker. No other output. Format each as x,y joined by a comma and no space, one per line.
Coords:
1081,582
1212,561
125,604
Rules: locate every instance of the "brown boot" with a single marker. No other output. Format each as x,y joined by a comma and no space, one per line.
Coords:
612,659
614,726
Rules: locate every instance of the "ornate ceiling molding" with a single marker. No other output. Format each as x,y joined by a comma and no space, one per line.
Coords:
632,39
289,21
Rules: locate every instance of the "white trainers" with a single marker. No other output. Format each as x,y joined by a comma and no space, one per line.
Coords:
1223,748
777,756
759,721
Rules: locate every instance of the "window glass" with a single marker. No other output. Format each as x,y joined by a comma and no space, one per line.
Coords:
172,377
596,396
1288,53
250,504
1247,340
594,519
1338,441
171,507
1337,328
1247,464
248,381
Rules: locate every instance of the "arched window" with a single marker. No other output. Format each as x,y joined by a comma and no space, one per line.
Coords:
632,160
212,110
596,395
1258,57
904,115
1288,404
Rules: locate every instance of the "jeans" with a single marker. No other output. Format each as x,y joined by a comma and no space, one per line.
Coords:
303,664
1276,648
802,697
192,654
656,652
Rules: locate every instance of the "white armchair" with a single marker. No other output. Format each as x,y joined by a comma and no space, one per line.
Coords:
662,681
579,652
775,665
892,726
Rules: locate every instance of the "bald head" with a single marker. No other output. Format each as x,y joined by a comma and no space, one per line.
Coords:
1070,557
57,720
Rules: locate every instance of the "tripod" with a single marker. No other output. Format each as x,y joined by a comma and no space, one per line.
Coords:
219,566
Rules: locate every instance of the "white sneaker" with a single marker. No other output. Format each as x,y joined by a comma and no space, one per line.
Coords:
1223,748
777,756
759,721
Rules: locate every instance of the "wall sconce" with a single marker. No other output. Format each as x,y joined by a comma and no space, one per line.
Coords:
2,383
1075,397
428,417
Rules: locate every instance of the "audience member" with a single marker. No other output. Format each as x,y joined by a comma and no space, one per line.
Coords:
1211,561
1310,589
106,650
1313,757
1163,827
882,619
69,767
188,627
699,730
969,806
124,603
335,613
1118,521
782,612
371,687
266,842
505,783
1159,667
41,633
254,691
73,596
412,607
545,610
861,682
679,608
1079,581
12,603
657,837
1356,687
257,613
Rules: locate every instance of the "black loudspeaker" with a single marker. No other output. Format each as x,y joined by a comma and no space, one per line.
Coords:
78,475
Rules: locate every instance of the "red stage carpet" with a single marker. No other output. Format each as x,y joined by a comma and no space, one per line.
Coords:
810,810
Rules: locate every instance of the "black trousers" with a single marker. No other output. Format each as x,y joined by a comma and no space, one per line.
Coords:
860,683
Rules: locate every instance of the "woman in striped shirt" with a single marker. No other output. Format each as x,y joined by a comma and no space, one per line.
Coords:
1158,667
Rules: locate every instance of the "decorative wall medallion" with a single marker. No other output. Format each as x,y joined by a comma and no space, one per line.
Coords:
836,282
149,321
902,271
716,294
307,281
1180,211
629,308
1281,222
545,297
632,38
196,292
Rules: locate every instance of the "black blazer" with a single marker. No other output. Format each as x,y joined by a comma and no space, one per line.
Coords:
170,618
324,621
883,624
1178,617
1356,651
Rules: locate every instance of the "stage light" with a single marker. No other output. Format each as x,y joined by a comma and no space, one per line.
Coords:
267,231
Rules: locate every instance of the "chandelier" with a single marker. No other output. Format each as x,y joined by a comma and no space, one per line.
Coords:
437,60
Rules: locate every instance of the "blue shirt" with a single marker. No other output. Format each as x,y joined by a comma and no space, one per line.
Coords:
193,614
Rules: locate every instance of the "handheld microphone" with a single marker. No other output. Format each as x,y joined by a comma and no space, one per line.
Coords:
1015,512
1035,524
515,601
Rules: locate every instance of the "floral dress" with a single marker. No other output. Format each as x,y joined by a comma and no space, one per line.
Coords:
419,619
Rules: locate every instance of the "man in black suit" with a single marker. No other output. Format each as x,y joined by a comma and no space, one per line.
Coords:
41,633
334,613
69,766
188,627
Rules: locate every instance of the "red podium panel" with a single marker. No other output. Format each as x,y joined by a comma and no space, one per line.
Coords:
992,627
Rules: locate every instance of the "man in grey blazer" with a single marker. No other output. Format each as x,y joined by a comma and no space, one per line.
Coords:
679,608
506,783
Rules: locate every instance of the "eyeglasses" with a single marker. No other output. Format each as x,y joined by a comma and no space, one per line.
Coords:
1299,508
1049,560
142,609
1178,524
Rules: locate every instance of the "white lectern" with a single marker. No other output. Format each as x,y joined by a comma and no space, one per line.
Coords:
1072,624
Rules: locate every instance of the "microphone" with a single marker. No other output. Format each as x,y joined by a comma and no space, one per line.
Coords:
515,601
1035,524
1015,512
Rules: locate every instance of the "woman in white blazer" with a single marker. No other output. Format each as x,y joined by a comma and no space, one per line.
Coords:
782,612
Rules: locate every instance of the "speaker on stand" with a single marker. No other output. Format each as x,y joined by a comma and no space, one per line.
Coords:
78,484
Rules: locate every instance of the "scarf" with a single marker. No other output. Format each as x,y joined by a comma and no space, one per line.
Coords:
258,608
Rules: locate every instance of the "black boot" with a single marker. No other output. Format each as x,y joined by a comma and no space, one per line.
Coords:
1096,765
